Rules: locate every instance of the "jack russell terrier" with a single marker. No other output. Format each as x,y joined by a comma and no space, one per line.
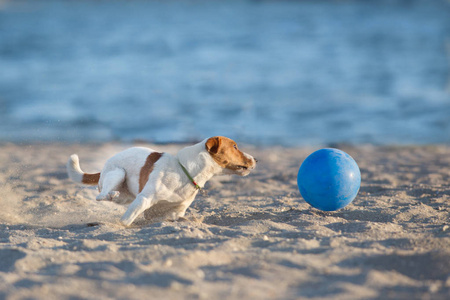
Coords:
160,184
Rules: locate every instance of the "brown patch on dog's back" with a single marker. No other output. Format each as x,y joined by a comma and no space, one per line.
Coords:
91,179
147,169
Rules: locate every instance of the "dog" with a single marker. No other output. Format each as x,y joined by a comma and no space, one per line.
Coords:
159,184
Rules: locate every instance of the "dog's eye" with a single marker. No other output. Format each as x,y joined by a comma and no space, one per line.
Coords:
235,147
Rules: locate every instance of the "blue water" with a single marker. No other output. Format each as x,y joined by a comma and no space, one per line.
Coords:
263,72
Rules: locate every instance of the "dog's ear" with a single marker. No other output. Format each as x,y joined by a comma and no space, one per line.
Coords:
212,145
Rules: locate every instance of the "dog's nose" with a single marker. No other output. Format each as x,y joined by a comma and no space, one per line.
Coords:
255,160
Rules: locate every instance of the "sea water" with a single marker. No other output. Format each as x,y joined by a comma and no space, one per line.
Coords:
264,72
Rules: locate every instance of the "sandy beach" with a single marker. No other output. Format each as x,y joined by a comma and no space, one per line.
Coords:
249,238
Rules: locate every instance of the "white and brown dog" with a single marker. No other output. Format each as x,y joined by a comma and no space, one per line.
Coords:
161,184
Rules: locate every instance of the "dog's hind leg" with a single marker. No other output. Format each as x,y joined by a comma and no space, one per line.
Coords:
111,182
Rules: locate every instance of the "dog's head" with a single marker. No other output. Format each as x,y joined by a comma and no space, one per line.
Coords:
225,152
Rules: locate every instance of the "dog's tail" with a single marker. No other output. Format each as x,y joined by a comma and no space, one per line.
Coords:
76,174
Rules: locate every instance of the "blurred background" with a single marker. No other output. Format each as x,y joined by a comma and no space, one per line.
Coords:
287,73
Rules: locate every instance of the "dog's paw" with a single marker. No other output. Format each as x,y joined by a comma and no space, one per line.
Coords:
108,197
113,194
101,197
125,222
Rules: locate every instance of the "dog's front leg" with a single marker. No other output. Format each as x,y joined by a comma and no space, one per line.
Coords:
138,206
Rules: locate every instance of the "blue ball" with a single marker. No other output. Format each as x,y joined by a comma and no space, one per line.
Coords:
329,179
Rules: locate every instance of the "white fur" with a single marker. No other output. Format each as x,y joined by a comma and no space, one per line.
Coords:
168,188
73,168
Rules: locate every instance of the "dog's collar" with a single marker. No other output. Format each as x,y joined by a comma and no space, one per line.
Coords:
197,187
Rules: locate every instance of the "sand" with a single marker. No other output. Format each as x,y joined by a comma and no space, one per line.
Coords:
249,238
